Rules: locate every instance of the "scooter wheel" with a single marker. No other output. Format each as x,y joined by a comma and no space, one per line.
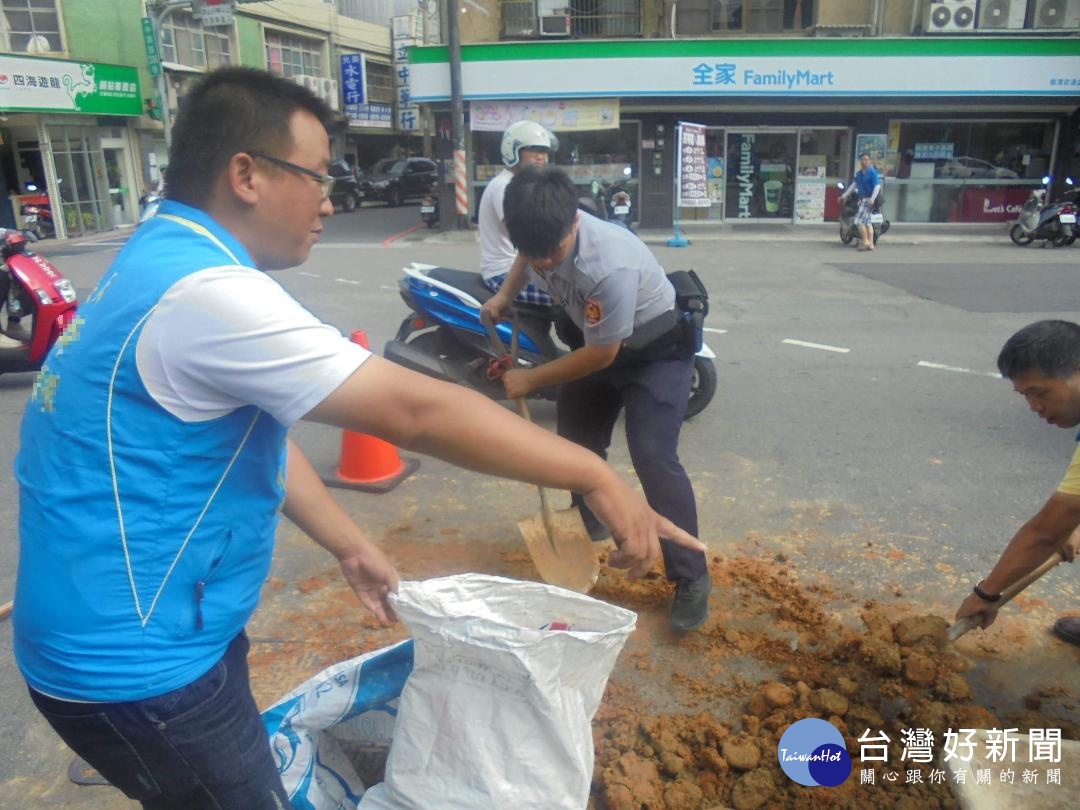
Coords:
702,386
1019,237
1062,239
846,236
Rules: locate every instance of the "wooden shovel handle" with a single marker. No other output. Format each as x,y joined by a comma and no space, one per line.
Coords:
5,610
969,623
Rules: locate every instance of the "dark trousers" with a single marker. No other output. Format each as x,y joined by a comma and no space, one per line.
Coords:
201,746
654,393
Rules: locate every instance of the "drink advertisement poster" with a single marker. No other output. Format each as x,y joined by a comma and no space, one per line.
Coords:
691,167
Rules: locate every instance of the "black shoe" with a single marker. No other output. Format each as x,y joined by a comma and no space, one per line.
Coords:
691,606
1068,629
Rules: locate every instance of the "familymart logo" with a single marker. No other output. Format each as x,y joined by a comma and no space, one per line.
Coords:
812,752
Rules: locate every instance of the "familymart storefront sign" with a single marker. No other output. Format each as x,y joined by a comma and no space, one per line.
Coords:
60,86
714,69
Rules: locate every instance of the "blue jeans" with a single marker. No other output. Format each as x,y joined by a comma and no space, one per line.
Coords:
200,746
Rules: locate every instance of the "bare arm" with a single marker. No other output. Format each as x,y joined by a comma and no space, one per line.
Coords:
309,504
516,278
1049,531
467,429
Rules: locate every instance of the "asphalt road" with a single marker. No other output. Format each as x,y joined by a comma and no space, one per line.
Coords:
858,408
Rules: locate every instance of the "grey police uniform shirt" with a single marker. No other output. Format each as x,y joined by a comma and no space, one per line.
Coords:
611,283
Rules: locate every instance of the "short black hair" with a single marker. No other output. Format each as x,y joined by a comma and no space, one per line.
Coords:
864,155
539,210
1050,347
233,109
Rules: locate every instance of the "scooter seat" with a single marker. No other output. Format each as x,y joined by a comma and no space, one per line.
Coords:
471,283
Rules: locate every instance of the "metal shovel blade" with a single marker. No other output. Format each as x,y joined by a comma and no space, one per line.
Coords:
565,557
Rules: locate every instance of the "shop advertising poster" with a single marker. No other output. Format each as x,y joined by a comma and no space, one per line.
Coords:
810,189
574,115
691,167
873,145
715,181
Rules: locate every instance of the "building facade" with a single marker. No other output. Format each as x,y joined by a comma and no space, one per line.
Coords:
964,106
81,106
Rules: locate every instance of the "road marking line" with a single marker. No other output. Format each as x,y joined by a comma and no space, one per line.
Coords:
386,242
821,346
309,275
391,287
347,280
715,331
943,367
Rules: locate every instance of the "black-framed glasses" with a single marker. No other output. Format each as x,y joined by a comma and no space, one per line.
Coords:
325,180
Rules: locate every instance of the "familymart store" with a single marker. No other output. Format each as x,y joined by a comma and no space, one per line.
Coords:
962,128
67,130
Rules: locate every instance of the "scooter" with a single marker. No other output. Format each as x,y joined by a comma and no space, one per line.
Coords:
1053,223
849,206
35,289
429,207
37,215
444,337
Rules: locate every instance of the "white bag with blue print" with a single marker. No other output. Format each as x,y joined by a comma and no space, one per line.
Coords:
318,728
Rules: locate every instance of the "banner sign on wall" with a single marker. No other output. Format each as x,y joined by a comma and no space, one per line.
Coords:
53,85
578,115
874,146
691,167
407,116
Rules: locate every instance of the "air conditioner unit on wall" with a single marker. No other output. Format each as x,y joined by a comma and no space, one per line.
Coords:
1056,14
996,15
950,17
330,93
554,17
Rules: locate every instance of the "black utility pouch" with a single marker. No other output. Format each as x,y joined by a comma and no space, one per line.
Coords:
692,301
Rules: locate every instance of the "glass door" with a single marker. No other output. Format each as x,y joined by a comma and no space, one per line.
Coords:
760,176
82,178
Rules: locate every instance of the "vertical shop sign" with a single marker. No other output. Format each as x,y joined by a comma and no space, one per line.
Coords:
152,57
690,169
406,112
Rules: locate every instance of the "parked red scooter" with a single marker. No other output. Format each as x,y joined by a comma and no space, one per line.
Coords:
37,214
32,291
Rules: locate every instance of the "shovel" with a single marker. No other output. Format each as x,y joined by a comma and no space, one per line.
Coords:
971,622
558,541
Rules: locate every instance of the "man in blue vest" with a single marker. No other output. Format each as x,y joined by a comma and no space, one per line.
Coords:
144,543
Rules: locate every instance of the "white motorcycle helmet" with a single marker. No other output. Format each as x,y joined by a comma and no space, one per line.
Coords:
525,135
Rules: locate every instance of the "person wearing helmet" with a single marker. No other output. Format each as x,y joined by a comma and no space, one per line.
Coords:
525,143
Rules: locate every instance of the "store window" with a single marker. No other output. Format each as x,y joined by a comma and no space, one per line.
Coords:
570,18
82,175
290,55
601,155
184,41
31,26
708,17
965,171
380,82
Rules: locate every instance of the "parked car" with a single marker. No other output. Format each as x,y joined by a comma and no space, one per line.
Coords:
346,191
407,178
969,167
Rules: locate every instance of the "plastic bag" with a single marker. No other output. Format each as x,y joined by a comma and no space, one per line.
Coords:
497,712
316,730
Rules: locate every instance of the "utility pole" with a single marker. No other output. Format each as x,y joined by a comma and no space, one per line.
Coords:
158,11
457,116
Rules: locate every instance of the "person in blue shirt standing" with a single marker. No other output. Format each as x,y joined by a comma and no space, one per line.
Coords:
631,352
145,542
868,186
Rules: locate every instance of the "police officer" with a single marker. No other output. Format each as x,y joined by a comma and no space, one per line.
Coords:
631,353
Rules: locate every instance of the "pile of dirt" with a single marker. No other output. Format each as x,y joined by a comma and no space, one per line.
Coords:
693,722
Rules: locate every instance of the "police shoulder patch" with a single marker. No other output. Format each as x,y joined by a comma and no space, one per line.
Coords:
594,313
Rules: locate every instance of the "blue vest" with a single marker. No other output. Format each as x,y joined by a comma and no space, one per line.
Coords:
144,540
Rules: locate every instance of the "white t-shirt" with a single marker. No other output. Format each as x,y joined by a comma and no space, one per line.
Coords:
497,252
226,337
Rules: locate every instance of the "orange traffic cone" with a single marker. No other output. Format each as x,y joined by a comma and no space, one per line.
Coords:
368,463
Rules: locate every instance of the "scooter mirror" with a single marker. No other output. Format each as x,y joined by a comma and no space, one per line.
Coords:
31,187
595,187
626,171
840,186
1046,179
1069,181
